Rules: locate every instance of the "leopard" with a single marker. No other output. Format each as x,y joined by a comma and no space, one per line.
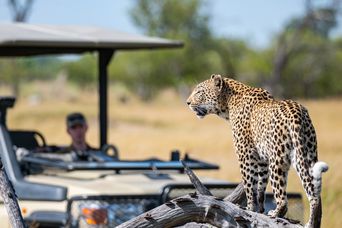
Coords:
269,136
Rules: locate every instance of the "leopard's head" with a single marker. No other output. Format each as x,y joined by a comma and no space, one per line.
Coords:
208,97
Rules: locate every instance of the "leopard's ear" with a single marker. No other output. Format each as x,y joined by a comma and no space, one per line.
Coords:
218,81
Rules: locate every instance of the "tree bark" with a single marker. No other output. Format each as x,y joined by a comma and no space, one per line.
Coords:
204,209
10,200
200,188
238,196
201,208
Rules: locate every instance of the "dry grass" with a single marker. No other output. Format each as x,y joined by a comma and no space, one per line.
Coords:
154,129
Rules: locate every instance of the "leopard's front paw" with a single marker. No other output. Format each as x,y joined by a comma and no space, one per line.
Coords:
251,207
272,213
242,207
280,211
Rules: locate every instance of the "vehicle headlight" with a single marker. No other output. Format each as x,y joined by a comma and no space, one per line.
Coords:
109,212
94,215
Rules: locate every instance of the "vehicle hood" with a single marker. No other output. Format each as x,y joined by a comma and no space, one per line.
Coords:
109,183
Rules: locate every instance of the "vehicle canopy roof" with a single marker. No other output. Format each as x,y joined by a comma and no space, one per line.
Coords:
20,39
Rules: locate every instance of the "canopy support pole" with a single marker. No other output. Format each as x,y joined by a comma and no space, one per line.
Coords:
105,55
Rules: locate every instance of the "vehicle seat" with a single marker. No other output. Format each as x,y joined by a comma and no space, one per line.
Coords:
27,139
26,190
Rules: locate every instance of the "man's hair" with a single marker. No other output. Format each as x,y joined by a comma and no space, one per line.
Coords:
75,118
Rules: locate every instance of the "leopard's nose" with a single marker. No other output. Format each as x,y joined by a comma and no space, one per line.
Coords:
188,102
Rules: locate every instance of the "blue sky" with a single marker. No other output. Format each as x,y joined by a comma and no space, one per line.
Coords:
256,21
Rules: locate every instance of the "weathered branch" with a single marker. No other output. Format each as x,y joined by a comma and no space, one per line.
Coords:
238,196
201,189
203,209
10,200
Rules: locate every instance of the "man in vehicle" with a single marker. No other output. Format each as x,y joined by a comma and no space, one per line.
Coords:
78,150
77,128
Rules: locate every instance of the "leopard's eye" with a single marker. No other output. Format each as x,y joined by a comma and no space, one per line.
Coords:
198,92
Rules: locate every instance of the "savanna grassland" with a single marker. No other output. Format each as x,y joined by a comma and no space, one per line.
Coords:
142,130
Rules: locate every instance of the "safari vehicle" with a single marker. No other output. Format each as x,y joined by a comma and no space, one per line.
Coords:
104,191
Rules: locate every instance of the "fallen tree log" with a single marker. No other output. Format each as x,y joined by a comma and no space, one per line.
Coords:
201,208
204,209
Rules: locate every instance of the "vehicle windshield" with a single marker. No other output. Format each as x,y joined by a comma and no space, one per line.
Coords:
35,156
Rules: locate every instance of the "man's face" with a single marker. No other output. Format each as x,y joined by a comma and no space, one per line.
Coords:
78,132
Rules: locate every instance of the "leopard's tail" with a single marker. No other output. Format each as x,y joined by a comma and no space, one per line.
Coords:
317,170
307,165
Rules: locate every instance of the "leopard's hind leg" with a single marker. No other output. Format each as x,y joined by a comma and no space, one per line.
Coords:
249,170
262,184
278,176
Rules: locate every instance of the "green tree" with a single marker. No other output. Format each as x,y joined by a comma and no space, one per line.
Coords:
13,73
187,21
83,71
20,11
304,39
